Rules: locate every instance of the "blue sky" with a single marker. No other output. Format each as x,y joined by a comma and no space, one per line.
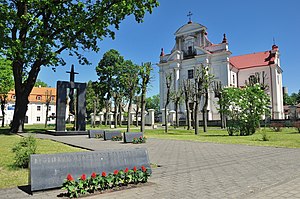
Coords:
250,27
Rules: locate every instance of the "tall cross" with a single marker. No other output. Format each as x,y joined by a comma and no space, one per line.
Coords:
190,16
72,74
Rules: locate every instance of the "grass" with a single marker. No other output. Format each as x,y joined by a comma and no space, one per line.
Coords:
11,176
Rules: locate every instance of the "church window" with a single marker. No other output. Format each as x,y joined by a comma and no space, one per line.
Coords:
190,74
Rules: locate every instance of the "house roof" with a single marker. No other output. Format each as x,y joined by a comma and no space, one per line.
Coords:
252,60
38,94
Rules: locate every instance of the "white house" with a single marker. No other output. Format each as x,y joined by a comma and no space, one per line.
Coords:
36,109
192,49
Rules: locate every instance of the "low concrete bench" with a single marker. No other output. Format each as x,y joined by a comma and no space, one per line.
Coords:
95,133
109,134
129,136
49,171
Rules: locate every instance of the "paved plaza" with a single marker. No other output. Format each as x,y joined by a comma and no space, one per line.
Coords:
190,169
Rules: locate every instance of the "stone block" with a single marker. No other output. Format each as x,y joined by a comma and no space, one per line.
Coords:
129,136
109,134
49,171
94,133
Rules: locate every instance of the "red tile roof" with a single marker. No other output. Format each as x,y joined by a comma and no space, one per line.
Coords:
252,60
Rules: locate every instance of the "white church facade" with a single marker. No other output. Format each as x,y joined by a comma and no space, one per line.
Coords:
193,49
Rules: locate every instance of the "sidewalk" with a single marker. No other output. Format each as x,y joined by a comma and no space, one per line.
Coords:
200,170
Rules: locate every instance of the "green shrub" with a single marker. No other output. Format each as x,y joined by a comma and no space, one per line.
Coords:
23,150
265,137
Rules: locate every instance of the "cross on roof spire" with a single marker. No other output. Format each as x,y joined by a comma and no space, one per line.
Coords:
190,16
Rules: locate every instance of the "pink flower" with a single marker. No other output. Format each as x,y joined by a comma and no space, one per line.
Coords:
94,175
126,170
103,174
116,172
83,177
70,178
144,169
134,168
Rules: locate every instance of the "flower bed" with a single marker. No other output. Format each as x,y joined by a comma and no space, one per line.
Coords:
117,138
139,140
98,183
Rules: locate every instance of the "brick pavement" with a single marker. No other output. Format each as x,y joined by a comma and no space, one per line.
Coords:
200,170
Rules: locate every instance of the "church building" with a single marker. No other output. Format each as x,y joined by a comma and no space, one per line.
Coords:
193,49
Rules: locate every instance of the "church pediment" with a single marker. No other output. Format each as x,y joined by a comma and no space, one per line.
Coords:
201,51
174,55
189,28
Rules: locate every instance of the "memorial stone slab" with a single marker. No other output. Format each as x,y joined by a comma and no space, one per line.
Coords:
129,136
109,134
49,171
95,133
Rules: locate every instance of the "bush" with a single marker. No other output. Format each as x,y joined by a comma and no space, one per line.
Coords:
23,150
276,126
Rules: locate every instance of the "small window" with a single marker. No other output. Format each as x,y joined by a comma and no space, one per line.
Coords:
52,98
190,74
49,108
39,97
13,97
38,118
38,108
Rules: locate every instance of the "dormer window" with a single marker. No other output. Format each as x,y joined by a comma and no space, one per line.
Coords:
13,97
38,97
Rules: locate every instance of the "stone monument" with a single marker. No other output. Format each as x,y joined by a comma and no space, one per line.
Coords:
77,104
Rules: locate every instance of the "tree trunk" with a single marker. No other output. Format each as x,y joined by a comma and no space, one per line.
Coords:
143,108
166,119
137,114
120,115
204,111
19,114
129,116
116,116
177,118
95,112
2,109
196,120
47,111
188,115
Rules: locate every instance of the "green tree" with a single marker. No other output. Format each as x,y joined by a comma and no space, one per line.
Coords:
6,84
130,83
36,32
187,88
108,69
40,83
153,103
145,76
245,107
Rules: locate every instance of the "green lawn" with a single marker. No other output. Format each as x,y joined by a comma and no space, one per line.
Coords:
11,176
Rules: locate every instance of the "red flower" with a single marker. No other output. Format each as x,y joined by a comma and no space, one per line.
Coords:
70,178
94,175
144,169
141,137
126,170
134,168
103,174
116,172
83,177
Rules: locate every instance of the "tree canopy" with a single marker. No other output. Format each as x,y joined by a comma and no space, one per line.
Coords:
36,32
40,83
6,77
